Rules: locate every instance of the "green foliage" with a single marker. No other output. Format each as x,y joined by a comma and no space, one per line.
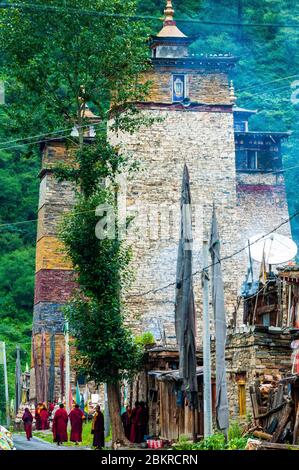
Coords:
214,442
147,338
234,431
87,437
18,202
106,348
237,443
59,61
54,65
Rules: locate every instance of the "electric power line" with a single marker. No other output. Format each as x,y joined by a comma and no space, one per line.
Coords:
60,131
258,85
225,258
30,140
35,7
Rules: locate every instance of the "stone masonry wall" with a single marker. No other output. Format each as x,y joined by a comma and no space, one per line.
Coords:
205,142
255,354
202,87
54,280
261,205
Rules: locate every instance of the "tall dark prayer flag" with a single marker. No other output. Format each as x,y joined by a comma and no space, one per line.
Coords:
51,384
222,416
184,305
38,384
62,372
44,368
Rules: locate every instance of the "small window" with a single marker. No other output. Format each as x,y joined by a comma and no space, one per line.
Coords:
240,126
242,397
241,159
251,159
178,88
266,319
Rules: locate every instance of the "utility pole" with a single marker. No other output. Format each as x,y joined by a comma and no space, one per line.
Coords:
67,367
6,386
18,384
208,426
106,412
3,361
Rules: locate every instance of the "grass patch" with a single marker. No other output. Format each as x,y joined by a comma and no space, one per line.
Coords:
87,437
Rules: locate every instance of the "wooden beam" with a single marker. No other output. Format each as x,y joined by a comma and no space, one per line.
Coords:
295,433
262,435
274,446
283,421
270,412
266,309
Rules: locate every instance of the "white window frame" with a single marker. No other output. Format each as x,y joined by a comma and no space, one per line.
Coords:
185,86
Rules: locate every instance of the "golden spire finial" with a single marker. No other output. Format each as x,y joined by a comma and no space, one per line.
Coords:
232,95
169,12
170,29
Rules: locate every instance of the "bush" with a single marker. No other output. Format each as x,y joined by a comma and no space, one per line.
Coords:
234,431
215,442
237,443
145,339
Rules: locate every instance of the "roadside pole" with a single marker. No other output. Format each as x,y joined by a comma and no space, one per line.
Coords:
208,426
67,366
3,362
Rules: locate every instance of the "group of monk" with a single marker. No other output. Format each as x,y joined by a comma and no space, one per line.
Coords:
135,422
42,415
76,418
60,422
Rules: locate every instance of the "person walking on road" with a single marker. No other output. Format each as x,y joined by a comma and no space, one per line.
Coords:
27,420
60,425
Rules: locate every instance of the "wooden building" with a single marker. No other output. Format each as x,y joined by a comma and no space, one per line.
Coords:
161,387
174,415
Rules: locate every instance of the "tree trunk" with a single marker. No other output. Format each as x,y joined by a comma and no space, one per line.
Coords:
118,435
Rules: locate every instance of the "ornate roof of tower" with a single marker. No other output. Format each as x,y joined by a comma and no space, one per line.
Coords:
169,26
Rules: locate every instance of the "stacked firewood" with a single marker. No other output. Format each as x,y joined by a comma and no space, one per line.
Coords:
273,411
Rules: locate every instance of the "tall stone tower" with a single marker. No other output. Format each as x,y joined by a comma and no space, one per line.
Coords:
54,281
191,106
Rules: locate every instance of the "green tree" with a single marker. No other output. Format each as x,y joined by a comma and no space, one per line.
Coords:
83,53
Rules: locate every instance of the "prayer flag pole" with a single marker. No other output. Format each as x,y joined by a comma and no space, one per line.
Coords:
5,384
207,398
67,367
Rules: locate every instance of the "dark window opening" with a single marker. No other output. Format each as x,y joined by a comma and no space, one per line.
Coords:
240,126
257,160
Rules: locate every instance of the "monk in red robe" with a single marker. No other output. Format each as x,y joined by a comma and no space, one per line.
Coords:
59,428
76,417
38,422
51,407
126,420
97,429
27,420
135,435
44,416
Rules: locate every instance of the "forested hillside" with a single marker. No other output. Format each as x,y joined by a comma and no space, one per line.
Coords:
18,202
268,65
